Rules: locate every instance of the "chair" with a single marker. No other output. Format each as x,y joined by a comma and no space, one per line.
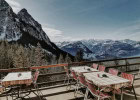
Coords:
3,89
34,85
130,87
74,75
81,82
113,71
96,93
67,78
101,68
35,77
95,66
76,79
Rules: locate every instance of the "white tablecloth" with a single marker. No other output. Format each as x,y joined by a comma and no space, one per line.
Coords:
115,82
17,78
83,69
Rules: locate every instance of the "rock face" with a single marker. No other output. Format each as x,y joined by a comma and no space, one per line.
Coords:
9,23
24,29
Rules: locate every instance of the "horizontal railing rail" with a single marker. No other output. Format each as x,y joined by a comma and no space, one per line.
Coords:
71,64
125,65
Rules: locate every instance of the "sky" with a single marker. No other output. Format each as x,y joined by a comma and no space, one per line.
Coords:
70,20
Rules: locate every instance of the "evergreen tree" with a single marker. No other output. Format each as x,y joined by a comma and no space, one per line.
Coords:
21,58
39,55
61,59
67,59
79,56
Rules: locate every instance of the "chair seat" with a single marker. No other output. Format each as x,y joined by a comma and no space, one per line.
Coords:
125,90
102,95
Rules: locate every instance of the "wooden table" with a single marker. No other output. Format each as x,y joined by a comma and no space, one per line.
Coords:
17,79
112,81
83,69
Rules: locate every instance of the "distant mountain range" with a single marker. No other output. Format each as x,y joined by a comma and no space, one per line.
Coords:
24,29
102,49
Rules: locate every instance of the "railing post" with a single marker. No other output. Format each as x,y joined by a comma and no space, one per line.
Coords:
117,63
127,63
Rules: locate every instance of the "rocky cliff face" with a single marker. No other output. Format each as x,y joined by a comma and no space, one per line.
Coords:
24,29
9,23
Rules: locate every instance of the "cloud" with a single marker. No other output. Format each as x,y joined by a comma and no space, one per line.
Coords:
15,5
57,35
52,32
129,32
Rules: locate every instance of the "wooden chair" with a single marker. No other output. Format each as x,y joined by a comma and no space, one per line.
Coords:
113,71
67,78
95,66
101,68
96,93
74,75
3,90
130,87
81,83
34,85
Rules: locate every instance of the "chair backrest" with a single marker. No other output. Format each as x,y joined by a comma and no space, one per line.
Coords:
92,88
74,74
128,76
67,70
101,68
82,79
95,66
35,77
1,89
113,71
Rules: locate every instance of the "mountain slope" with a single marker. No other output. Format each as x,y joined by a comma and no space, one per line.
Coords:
24,29
104,49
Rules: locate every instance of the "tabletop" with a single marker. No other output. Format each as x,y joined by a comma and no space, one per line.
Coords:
111,80
17,78
83,69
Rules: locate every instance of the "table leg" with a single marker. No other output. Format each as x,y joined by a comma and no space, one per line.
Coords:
113,97
121,93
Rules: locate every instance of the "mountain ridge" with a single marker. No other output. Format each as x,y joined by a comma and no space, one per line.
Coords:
103,49
24,29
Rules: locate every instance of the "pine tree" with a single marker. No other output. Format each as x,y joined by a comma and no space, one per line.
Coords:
68,59
21,58
39,55
61,59
79,56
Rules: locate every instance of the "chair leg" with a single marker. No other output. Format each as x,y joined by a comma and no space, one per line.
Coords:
65,80
7,97
37,92
76,89
86,94
68,84
134,92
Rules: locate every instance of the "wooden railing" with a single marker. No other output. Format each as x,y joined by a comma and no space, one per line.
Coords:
125,67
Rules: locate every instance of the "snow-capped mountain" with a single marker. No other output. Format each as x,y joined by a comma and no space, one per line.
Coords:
73,47
24,29
102,49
